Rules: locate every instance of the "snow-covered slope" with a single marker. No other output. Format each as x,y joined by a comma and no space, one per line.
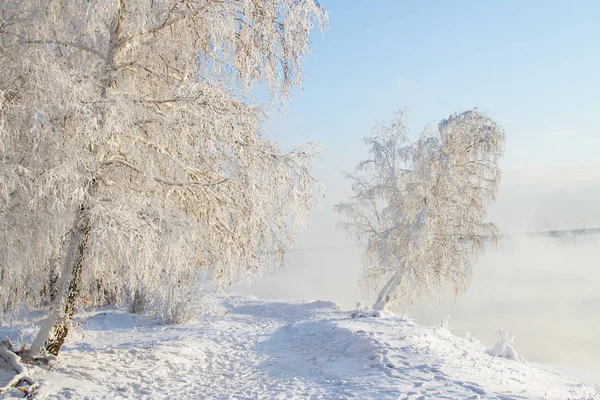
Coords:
246,348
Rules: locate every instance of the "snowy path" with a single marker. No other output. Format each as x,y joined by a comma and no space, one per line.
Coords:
255,349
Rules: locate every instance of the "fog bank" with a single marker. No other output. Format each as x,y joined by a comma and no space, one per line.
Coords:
545,290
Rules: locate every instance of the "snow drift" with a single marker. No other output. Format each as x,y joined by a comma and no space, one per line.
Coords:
246,348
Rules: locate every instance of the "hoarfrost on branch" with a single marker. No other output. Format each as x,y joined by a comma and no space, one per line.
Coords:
420,207
131,152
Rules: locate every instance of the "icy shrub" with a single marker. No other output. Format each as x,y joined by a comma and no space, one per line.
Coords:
504,347
139,302
363,311
178,304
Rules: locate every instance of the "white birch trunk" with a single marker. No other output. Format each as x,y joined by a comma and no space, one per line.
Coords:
386,294
56,326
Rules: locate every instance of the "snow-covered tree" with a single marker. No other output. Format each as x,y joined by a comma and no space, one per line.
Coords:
420,207
131,152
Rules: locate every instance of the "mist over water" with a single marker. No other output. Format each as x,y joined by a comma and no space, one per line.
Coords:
544,290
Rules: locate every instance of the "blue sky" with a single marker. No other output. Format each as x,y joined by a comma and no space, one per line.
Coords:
531,65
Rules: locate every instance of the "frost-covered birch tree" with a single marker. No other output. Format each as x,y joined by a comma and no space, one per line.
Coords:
420,207
131,154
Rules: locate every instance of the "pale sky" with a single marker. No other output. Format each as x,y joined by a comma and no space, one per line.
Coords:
533,66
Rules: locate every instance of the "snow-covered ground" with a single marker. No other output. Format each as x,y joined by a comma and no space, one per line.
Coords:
246,348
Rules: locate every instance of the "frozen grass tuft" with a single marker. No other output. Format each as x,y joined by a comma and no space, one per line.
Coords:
179,304
363,311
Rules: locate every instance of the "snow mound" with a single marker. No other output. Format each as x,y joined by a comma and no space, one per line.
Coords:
504,347
270,349
323,304
7,373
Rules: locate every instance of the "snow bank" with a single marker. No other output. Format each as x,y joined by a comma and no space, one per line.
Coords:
259,349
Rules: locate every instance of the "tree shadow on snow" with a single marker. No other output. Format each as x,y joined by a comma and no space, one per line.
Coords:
277,310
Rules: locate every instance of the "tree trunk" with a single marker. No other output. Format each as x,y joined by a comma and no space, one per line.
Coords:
55,328
53,280
387,293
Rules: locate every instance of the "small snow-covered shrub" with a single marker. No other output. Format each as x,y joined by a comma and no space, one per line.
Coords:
178,304
504,347
363,311
139,302
445,322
